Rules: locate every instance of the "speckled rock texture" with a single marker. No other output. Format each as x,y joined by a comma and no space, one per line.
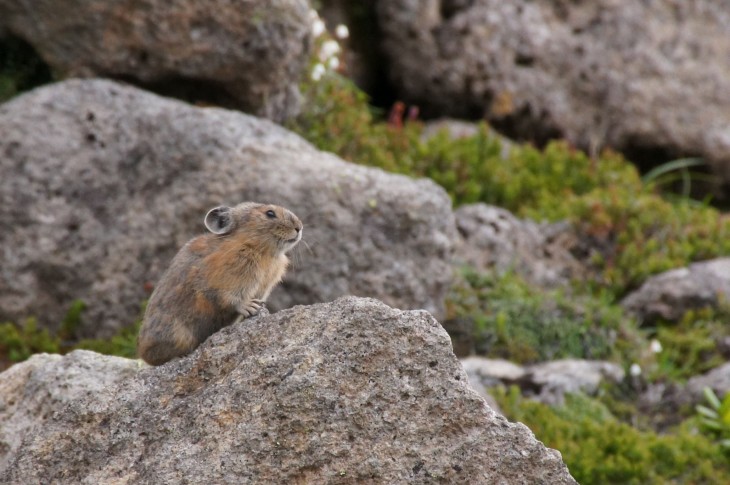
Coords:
102,183
671,294
346,392
247,55
33,391
492,239
651,79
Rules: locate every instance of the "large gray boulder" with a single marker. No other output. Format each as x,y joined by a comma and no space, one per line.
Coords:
101,184
547,382
550,381
247,55
345,392
669,401
33,391
492,239
669,295
718,380
651,79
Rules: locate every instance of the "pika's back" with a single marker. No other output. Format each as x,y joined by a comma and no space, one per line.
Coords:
218,277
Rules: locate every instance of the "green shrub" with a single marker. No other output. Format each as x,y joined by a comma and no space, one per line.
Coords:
689,347
598,449
19,342
519,322
715,417
635,232
71,321
123,344
337,118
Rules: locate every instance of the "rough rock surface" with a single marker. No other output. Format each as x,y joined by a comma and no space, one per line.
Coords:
550,381
101,184
718,379
33,391
457,129
547,382
492,239
667,402
346,392
248,55
651,79
492,372
671,294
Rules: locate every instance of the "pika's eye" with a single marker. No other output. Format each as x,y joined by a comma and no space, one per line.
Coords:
271,214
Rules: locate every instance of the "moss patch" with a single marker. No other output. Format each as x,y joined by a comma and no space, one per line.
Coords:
19,341
516,321
599,449
691,347
634,231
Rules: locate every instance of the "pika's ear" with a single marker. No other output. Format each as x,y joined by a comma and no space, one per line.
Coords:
219,220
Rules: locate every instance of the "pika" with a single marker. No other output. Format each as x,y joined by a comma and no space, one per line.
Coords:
218,278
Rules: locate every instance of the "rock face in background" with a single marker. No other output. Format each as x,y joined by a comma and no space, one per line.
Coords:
667,402
346,392
651,79
492,239
718,379
101,184
33,391
547,382
246,55
671,294
457,129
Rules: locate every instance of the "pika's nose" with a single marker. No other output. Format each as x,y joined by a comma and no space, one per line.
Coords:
298,228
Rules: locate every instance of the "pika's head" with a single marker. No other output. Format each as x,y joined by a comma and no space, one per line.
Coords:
265,224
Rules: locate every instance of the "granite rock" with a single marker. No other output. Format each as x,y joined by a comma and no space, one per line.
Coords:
102,183
342,392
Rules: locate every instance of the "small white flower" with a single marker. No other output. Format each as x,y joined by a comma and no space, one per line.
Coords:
655,346
342,32
313,15
333,63
635,370
317,72
328,49
318,28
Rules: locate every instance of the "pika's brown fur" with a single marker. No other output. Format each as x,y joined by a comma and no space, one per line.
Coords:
217,278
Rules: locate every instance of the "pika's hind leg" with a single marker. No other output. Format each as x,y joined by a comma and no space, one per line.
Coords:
160,342
158,353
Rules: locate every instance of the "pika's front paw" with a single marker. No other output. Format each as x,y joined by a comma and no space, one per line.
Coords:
250,308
